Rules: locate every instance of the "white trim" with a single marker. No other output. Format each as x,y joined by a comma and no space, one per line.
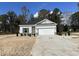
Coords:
26,25
44,20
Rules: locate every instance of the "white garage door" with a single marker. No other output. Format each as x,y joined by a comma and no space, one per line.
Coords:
46,31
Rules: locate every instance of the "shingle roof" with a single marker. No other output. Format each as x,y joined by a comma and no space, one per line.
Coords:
32,22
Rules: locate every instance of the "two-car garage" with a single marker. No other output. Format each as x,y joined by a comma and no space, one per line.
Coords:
46,30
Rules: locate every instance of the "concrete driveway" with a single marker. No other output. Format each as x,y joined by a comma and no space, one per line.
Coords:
55,46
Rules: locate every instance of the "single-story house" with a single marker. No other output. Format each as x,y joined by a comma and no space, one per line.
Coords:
38,27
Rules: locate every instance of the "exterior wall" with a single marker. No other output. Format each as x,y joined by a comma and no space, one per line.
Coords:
37,28
21,29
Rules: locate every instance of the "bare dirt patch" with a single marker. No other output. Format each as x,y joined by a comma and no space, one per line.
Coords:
10,45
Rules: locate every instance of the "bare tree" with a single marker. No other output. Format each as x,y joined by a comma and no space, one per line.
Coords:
25,12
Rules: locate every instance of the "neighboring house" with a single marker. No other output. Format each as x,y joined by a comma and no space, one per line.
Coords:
38,27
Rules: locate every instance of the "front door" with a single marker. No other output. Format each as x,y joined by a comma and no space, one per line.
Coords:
26,30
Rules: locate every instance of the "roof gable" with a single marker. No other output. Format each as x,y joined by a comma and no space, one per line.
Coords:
45,21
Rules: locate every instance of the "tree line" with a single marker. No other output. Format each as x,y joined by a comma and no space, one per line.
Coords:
9,22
